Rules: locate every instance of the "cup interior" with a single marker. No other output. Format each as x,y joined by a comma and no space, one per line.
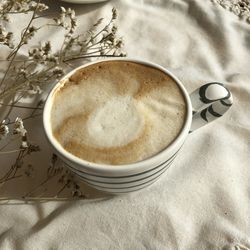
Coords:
119,168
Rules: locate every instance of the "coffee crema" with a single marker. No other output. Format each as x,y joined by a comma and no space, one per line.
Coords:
117,112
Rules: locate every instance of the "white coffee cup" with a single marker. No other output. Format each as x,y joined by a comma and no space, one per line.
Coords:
204,105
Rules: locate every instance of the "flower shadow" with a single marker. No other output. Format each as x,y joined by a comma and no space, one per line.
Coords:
41,176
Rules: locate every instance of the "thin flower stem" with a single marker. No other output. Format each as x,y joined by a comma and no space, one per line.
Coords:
26,118
8,143
9,111
19,12
91,53
45,15
13,167
7,70
11,178
34,111
40,185
19,106
20,156
10,90
61,50
14,52
93,44
84,57
99,47
25,32
20,85
9,152
23,60
68,64
7,174
98,33
109,50
12,105
60,191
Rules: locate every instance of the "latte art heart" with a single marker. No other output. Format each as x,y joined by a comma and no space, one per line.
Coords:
117,112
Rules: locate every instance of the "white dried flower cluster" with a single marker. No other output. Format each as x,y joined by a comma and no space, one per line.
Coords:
58,72
20,72
34,89
240,8
4,130
39,7
114,13
29,34
43,65
20,130
110,40
43,54
20,6
67,20
102,43
19,127
6,37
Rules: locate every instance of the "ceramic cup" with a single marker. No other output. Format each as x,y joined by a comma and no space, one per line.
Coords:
204,105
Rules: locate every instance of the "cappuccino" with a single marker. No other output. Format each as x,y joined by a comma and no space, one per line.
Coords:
117,112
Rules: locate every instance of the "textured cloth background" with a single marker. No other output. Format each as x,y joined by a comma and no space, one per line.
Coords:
203,200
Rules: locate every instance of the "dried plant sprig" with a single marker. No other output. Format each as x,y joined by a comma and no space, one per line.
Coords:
8,7
67,20
27,78
4,130
13,171
29,74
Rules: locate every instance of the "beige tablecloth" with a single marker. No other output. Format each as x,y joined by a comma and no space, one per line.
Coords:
203,200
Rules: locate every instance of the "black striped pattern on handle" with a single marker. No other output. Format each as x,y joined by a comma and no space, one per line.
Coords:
209,102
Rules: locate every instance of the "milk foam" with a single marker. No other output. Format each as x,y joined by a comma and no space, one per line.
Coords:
117,123
117,112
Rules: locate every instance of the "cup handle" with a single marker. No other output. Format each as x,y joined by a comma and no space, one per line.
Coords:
209,102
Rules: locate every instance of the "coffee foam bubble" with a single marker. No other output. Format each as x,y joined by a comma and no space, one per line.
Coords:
117,112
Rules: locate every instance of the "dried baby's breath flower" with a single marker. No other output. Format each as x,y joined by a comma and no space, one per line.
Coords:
58,72
43,65
18,127
241,8
39,7
8,7
34,89
29,34
6,37
21,131
43,54
114,13
67,20
4,130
